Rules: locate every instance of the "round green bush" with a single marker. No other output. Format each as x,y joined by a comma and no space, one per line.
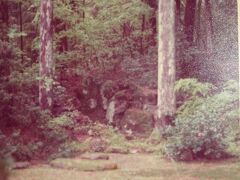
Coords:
204,131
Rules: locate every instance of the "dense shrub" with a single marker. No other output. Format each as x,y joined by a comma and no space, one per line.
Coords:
18,98
5,147
60,128
204,124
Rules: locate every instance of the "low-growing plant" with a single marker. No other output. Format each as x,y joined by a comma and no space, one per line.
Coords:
58,128
203,130
6,148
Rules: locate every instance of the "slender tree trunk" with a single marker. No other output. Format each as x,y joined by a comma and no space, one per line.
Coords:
63,45
199,26
21,29
83,19
46,55
4,12
178,35
166,63
238,4
209,26
83,14
189,23
142,35
178,10
189,19
4,25
153,20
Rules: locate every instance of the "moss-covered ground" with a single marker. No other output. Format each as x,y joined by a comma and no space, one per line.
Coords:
132,167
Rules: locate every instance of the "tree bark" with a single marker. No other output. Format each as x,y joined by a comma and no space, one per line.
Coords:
60,26
21,29
153,20
4,24
4,12
46,55
189,19
83,13
186,68
198,25
178,10
142,35
166,63
178,35
238,4
208,26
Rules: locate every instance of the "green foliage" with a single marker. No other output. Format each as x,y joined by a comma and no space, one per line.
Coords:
62,121
58,128
107,133
16,147
27,151
190,94
69,148
14,34
97,36
96,29
192,88
6,149
203,126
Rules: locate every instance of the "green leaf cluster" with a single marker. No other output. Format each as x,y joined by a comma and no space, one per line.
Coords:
204,124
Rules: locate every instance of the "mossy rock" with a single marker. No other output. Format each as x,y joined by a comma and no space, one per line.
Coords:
117,150
83,164
94,156
137,123
98,144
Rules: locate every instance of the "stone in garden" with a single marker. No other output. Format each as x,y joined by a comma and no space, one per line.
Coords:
137,123
83,164
95,156
21,165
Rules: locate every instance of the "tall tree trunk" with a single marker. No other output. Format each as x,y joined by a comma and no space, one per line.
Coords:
208,26
4,12
166,63
83,13
178,10
84,46
153,20
4,25
189,19
46,55
199,25
204,39
142,35
21,29
189,22
63,42
238,4
178,35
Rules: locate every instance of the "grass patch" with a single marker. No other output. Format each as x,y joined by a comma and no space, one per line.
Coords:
134,167
231,172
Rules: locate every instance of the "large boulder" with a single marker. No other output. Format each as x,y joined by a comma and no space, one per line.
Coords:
98,145
134,94
115,111
137,123
63,100
118,97
88,95
107,91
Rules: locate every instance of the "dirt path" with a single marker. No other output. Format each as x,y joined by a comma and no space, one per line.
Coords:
136,167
